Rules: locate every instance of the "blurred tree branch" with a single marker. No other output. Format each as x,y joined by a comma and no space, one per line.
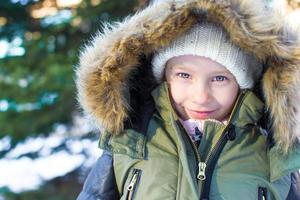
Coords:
37,86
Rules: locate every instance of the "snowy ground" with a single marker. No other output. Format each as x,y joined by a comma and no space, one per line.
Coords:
40,159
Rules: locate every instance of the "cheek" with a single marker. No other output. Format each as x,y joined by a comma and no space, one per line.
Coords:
178,97
229,102
176,92
230,99
227,97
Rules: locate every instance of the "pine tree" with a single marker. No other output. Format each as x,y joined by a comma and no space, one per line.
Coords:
37,89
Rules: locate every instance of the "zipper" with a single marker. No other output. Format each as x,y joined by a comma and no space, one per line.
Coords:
228,133
201,173
262,193
204,165
194,148
133,183
226,130
212,158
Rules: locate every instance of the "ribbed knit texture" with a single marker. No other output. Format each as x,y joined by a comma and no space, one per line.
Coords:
210,41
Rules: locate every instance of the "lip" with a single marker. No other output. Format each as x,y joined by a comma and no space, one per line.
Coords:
199,114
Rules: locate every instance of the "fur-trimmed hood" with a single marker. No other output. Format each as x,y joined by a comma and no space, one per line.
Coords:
110,62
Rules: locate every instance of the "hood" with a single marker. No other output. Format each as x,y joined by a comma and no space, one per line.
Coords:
113,66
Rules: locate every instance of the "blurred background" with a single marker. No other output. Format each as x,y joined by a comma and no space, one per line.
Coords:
46,146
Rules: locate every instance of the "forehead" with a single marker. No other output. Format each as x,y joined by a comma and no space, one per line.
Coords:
195,63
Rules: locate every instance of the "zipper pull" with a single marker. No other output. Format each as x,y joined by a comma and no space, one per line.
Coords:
132,182
201,174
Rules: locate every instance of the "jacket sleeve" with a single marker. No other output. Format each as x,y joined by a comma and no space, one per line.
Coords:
100,183
294,192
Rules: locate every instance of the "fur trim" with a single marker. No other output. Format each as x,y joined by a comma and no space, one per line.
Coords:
107,63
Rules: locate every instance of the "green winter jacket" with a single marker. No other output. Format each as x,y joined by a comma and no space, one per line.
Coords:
163,163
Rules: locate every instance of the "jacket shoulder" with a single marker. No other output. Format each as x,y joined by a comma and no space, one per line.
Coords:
100,183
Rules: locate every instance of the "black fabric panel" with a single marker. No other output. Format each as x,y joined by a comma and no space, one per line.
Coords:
100,183
142,105
294,193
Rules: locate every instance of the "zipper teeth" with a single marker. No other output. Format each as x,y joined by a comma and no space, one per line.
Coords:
263,193
242,94
215,148
191,141
223,136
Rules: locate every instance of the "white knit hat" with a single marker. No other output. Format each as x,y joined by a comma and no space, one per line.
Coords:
210,41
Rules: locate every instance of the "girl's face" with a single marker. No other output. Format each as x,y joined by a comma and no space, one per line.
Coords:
200,88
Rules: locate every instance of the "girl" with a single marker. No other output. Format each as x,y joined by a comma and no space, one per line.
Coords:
177,89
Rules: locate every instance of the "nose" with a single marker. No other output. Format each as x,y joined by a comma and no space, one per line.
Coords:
201,94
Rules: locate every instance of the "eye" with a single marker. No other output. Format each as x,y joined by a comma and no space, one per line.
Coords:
183,75
220,78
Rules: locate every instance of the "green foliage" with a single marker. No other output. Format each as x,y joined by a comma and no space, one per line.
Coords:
38,86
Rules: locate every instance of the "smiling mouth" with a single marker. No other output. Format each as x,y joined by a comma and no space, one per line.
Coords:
200,114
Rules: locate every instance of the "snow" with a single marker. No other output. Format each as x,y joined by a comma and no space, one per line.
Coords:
18,175
30,145
19,172
56,165
5,143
